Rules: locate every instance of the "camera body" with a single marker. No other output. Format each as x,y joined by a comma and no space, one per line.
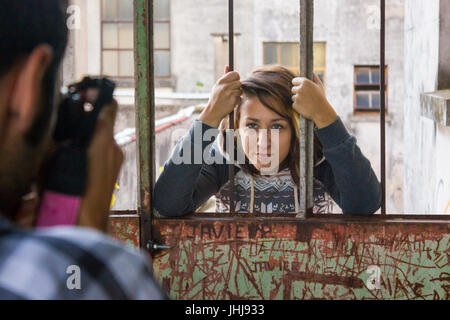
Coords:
78,112
66,180
77,118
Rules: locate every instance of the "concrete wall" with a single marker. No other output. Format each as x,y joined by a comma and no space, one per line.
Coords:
192,54
85,42
427,144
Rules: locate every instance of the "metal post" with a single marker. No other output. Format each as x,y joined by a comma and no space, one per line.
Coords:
145,109
306,126
231,116
383,105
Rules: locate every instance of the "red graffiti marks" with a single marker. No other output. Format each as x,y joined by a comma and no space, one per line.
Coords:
303,260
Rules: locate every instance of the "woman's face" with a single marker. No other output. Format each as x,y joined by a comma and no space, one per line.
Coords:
265,135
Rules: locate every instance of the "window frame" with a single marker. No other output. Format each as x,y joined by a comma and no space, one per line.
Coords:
129,81
375,87
169,49
120,79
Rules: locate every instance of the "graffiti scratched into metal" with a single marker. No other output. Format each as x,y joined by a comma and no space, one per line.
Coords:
279,260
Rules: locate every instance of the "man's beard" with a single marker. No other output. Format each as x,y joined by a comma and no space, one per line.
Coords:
17,175
11,198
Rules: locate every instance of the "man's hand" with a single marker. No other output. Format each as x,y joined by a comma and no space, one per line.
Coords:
105,159
310,101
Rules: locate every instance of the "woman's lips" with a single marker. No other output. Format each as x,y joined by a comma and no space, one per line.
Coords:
263,157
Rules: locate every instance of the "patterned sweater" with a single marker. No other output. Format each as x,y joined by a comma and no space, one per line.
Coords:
345,177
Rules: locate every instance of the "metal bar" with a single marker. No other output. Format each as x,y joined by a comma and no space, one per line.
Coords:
231,116
306,126
318,218
383,105
145,108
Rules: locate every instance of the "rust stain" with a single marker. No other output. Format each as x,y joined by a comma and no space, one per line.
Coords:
352,282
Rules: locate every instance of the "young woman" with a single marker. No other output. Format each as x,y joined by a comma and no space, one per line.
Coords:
268,180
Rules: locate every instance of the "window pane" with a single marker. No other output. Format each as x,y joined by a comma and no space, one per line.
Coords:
162,11
110,35
270,53
125,35
376,76
161,36
126,10
362,76
162,63
376,100
126,68
362,99
287,54
109,9
110,63
319,55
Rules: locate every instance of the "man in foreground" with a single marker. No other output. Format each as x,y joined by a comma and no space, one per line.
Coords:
61,262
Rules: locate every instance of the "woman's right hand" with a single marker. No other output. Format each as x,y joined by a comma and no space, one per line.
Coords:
226,94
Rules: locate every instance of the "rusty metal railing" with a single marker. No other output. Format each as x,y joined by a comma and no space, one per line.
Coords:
306,126
231,116
383,105
145,107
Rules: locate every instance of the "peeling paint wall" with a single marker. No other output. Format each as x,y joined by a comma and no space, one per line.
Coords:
426,143
295,260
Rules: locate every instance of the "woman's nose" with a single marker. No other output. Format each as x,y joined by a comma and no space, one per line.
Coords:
264,140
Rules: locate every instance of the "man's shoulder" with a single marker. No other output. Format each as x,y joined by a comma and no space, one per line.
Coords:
107,268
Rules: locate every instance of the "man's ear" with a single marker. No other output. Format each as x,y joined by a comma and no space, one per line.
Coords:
26,96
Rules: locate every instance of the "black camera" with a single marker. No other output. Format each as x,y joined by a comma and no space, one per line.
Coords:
77,118
79,110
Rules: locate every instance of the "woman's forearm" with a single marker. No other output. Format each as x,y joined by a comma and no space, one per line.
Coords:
186,181
351,180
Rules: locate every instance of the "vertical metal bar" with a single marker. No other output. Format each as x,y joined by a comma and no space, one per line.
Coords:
145,108
306,126
231,116
383,105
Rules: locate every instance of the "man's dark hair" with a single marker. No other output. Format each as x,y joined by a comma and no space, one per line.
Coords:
25,24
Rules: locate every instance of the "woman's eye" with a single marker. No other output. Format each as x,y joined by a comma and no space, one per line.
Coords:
252,126
277,126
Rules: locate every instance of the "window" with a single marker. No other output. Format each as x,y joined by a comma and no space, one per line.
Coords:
288,55
117,38
162,37
367,88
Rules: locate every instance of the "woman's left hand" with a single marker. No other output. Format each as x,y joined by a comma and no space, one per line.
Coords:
309,100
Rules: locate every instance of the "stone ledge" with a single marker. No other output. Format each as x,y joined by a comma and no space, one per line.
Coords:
436,106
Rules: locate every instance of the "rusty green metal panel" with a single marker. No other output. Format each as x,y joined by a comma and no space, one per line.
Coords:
145,108
257,259
125,228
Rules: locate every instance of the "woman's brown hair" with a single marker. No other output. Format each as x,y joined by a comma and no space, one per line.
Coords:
273,84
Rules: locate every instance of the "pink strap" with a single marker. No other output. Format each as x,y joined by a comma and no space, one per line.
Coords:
58,210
